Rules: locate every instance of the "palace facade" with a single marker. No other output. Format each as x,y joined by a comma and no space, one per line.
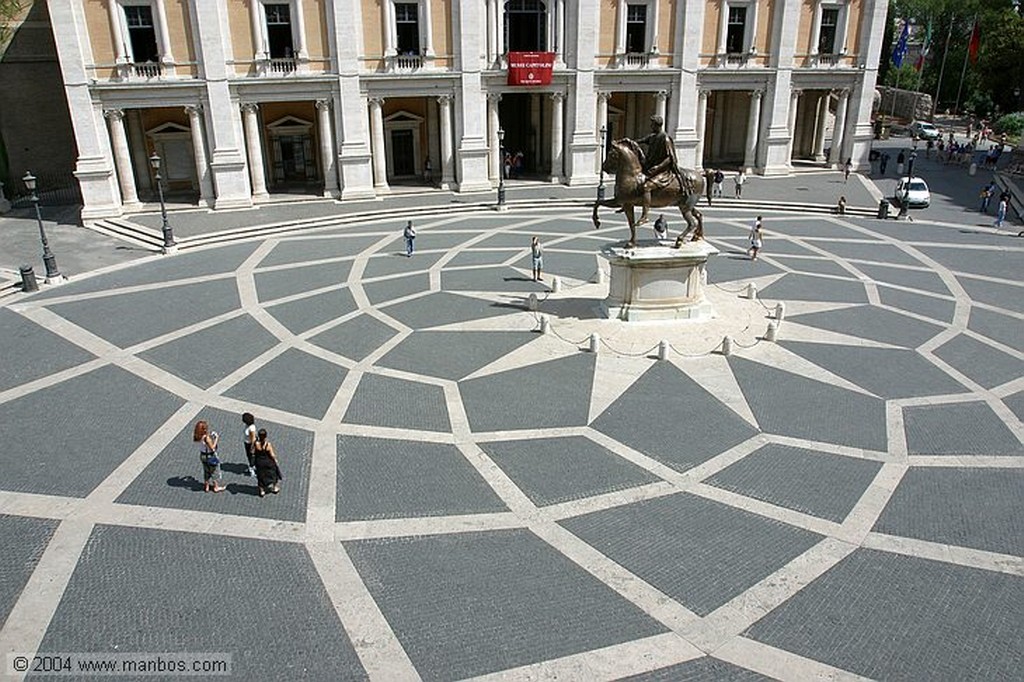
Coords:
244,99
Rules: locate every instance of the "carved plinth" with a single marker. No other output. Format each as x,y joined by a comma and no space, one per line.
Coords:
655,281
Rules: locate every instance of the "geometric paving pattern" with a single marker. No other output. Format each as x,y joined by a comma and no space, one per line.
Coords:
463,496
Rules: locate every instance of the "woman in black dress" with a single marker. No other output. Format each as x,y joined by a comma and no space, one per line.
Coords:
268,475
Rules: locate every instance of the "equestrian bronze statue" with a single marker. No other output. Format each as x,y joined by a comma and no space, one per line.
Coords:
653,178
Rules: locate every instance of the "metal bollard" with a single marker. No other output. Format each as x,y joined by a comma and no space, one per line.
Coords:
751,291
531,302
556,285
545,324
663,350
770,334
28,279
595,342
780,311
727,346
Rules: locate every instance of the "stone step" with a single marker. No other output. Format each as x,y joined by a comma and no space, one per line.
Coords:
126,231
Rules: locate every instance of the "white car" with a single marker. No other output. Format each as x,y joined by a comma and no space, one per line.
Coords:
914,190
924,130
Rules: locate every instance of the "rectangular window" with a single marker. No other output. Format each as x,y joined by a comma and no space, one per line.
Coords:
407,28
827,32
141,33
279,31
636,28
736,31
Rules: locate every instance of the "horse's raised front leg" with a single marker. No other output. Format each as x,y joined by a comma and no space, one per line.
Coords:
607,203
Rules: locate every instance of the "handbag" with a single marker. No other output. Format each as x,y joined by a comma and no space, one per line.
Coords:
212,460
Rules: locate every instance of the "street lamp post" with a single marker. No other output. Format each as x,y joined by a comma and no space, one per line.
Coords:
501,169
170,246
600,186
53,275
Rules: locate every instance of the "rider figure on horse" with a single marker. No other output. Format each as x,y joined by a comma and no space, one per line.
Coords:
660,166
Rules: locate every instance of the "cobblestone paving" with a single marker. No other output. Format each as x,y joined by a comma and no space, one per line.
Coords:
466,497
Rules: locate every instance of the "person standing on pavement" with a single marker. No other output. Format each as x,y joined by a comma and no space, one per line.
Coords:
740,179
847,167
537,256
986,196
208,441
1001,212
268,471
883,162
718,178
900,159
756,239
248,438
410,239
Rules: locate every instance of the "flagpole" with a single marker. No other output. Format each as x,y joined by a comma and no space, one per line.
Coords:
942,69
963,72
923,58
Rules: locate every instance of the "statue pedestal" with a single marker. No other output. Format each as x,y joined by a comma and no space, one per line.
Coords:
655,281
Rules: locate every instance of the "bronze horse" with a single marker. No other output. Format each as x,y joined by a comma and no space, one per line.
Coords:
625,161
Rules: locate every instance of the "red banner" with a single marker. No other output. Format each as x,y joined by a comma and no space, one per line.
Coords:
530,68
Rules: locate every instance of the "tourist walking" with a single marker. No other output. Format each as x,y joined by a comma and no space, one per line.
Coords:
537,256
847,167
841,206
718,178
883,162
740,179
208,441
900,160
268,471
248,438
756,239
1001,212
410,238
986,196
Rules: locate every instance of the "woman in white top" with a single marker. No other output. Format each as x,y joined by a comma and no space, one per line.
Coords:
248,438
756,239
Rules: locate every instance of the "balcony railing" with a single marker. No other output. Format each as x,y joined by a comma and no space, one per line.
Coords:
406,62
636,60
147,70
281,65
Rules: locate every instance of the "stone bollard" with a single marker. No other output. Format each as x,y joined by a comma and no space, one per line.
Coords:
780,311
663,350
727,346
28,279
556,285
770,334
751,291
595,342
545,324
531,302
600,276
972,170
883,209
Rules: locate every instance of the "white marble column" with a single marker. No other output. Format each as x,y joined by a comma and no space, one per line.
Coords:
254,149
428,30
493,143
620,30
660,99
377,149
257,18
702,123
301,52
602,111
387,11
753,126
116,32
834,155
557,135
195,122
447,151
794,102
327,155
819,133
164,36
559,32
493,48
122,156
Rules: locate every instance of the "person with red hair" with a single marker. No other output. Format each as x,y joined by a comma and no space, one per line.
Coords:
208,440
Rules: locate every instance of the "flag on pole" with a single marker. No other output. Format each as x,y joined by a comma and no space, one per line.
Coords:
900,51
972,47
926,47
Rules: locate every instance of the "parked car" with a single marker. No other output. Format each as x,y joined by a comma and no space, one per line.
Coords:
914,190
924,130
